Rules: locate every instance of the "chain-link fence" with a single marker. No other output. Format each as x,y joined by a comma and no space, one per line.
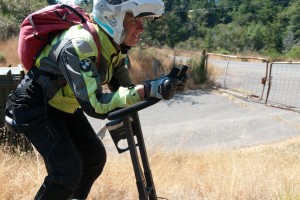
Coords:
277,83
284,85
244,76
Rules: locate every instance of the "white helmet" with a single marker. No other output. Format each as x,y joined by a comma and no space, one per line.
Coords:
110,14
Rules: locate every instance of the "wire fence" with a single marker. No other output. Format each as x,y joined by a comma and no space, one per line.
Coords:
284,85
243,75
276,83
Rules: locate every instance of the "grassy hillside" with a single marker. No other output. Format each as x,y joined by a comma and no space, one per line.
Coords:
265,172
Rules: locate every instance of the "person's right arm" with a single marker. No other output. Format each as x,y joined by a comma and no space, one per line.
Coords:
77,63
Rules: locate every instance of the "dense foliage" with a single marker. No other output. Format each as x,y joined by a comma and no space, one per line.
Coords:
12,12
233,26
227,26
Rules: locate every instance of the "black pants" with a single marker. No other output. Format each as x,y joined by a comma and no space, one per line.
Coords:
74,156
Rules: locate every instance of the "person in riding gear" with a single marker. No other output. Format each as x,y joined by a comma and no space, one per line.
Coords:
66,82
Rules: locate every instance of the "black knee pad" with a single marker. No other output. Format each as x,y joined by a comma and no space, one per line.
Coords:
93,156
71,173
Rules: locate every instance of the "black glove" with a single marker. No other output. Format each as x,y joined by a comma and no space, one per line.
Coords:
161,88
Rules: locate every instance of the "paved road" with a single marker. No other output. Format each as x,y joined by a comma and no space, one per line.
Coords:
199,120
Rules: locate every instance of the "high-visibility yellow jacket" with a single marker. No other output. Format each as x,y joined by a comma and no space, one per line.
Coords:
71,57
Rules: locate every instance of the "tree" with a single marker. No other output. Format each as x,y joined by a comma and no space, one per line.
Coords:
13,13
254,37
289,20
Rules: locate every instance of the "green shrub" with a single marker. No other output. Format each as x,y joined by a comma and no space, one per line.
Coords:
294,53
222,51
192,44
273,55
13,12
2,57
198,69
8,28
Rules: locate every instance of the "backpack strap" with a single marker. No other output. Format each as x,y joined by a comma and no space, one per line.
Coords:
13,96
91,28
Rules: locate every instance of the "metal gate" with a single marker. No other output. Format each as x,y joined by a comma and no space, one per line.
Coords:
242,76
284,85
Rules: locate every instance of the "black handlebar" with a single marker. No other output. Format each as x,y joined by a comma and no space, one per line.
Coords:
178,73
134,108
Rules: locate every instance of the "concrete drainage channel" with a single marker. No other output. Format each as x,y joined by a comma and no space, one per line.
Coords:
10,77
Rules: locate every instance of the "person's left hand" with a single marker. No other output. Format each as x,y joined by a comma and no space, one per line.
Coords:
161,88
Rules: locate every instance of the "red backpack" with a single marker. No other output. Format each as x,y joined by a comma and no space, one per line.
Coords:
40,27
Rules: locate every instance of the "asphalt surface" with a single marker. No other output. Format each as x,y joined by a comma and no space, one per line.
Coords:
199,120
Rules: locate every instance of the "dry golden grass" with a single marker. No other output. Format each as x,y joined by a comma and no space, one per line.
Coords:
10,51
264,172
142,61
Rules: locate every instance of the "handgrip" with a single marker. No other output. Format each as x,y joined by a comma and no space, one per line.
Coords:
83,20
134,108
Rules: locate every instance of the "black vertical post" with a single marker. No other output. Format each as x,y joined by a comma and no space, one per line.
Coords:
130,129
135,159
143,153
143,175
